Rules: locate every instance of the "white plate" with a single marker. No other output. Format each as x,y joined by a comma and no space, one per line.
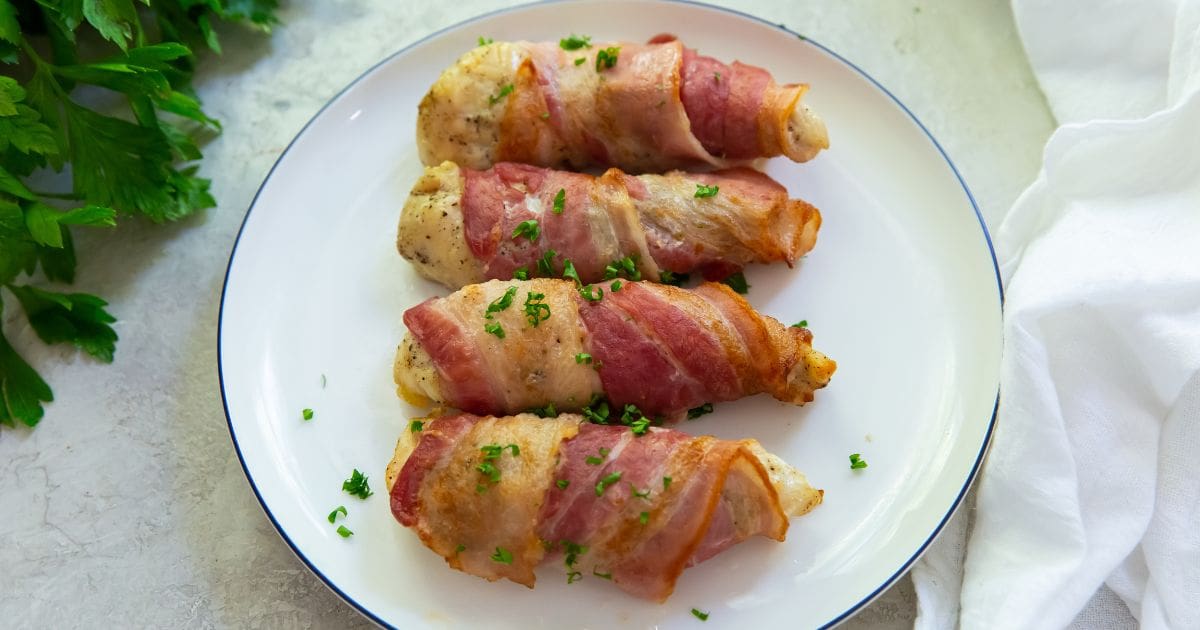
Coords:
901,289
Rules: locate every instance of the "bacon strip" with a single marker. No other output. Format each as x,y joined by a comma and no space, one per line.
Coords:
661,105
661,348
604,502
457,226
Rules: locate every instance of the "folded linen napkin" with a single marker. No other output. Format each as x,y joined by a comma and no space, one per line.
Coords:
1094,474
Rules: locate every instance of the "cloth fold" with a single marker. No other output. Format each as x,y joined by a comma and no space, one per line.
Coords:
1092,478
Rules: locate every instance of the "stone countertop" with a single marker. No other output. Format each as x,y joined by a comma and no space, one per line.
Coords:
127,505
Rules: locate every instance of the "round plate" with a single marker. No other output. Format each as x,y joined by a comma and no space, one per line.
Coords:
901,290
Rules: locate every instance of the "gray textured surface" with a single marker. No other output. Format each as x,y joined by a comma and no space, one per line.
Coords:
127,505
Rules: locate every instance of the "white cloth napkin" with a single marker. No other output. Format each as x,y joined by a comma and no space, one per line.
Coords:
1094,473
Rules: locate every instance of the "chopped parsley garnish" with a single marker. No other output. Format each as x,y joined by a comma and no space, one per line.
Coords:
545,115
569,272
484,41
857,462
738,283
459,549
573,577
607,576
562,483
591,293
502,555
703,191
572,552
492,452
501,303
696,412
630,413
583,357
579,61
545,264
520,273
575,42
494,329
597,410
560,201
333,514
344,532
666,483
536,310
641,494
615,286
549,411
504,91
607,57
357,485
644,518
801,324
596,461
702,616
307,414
640,426
672,278
529,229
626,266
416,426
607,481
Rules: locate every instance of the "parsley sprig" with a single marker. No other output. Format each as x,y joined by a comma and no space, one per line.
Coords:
141,162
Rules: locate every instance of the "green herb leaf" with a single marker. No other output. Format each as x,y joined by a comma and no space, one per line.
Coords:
528,229
607,57
520,273
536,310
504,91
666,483
545,264
22,391
76,318
560,201
738,283
494,329
562,483
340,509
583,357
625,266
344,532
459,549
703,191
801,324
484,41
501,303
597,573
580,61
575,42
607,481
307,414
615,286
569,272
591,293
549,411
857,462
502,555
672,278
357,485
416,426
644,518
596,410
639,494
702,616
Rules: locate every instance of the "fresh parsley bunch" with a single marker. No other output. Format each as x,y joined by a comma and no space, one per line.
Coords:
140,162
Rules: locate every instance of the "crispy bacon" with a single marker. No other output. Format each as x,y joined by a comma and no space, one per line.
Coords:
661,348
457,226
598,499
661,105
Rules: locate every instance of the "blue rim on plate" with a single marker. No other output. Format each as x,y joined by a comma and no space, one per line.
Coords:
983,448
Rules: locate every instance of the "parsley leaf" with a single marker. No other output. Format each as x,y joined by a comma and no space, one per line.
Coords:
562,483
416,426
502,555
536,310
738,283
529,229
344,532
857,462
801,324
494,329
77,318
340,509
501,303
575,42
702,616
484,41
357,485
607,58
307,414
504,91
703,191
672,278
583,357
560,201
22,391
607,481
